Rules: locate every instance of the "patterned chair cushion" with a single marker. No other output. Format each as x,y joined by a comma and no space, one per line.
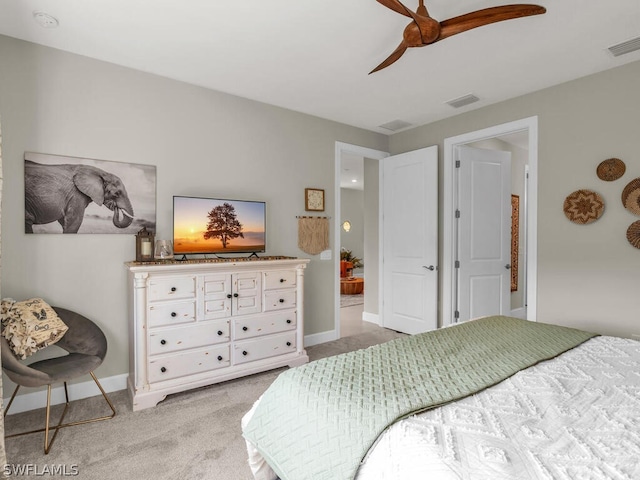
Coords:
30,325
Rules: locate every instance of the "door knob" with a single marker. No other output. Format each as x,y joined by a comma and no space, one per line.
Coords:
430,267
508,266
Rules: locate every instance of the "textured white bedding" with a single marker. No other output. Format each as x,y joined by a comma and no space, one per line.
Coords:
573,417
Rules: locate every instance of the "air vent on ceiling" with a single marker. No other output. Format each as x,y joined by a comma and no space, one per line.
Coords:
462,101
625,47
395,125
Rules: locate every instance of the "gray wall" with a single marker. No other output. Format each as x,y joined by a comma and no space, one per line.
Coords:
3,456
203,143
371,237
588,275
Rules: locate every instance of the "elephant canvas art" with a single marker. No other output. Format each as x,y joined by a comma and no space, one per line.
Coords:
77,195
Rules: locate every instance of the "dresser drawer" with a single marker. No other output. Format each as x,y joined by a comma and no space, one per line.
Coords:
162,314
279,300
264,324
192,336
264,347
182,364
172,288
279,279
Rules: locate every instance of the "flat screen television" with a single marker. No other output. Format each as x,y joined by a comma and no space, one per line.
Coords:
214,225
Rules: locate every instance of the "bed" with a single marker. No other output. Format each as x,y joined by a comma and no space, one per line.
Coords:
501,398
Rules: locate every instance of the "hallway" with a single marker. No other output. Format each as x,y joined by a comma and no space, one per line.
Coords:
351,322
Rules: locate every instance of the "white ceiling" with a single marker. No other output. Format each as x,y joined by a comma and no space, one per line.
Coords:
313,56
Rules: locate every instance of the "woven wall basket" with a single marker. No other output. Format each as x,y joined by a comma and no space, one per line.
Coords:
611,169
583,206
631,196
633,234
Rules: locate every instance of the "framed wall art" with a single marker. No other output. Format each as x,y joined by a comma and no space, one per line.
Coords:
82,195
314,200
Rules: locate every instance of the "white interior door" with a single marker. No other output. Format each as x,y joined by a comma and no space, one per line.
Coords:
410,241
484,233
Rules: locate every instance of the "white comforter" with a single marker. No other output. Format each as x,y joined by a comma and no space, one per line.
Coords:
574,417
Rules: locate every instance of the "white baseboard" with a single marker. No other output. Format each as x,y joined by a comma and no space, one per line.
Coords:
318,338
77,391
371,318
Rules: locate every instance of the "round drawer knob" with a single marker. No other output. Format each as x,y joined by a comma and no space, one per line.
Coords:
288,320
282,280
173,289
163,369
245,353
173,314
219,332
229,296
219,358
288,344
235,295
163,342
245,329
282,300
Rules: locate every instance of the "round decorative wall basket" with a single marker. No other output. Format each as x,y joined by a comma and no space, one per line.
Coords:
583,206
631,196
633,234
611,169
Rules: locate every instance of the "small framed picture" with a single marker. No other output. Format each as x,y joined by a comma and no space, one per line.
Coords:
314,200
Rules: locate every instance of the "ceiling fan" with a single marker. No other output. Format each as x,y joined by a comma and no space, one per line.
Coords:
424,30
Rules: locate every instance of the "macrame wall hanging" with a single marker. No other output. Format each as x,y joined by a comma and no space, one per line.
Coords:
313,234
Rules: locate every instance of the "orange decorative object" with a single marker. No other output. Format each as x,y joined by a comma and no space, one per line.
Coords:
351,286
346,268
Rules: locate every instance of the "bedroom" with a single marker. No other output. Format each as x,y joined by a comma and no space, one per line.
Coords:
57,102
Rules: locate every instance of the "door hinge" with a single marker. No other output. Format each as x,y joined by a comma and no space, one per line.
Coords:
456,314
457,213
457,163
457,264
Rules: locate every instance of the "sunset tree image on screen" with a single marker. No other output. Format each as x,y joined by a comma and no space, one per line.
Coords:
223,224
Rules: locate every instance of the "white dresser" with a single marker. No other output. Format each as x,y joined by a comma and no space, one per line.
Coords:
196,323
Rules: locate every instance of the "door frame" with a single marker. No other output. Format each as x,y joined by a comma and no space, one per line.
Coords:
340,148
450,194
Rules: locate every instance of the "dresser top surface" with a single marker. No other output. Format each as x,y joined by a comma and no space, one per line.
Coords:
252,262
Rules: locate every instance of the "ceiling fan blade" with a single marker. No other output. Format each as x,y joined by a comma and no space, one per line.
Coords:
397,53
486,16
396,6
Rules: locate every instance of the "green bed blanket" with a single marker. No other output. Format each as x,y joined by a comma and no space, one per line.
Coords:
318,421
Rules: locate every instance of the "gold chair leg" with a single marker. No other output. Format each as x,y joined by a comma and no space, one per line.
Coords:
47,443
11,401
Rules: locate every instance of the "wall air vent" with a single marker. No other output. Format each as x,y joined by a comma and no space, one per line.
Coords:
625,47
462,101
395,125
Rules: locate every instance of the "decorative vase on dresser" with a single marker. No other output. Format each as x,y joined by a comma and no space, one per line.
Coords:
200,322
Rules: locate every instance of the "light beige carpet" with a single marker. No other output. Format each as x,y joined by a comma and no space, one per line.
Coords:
192,435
